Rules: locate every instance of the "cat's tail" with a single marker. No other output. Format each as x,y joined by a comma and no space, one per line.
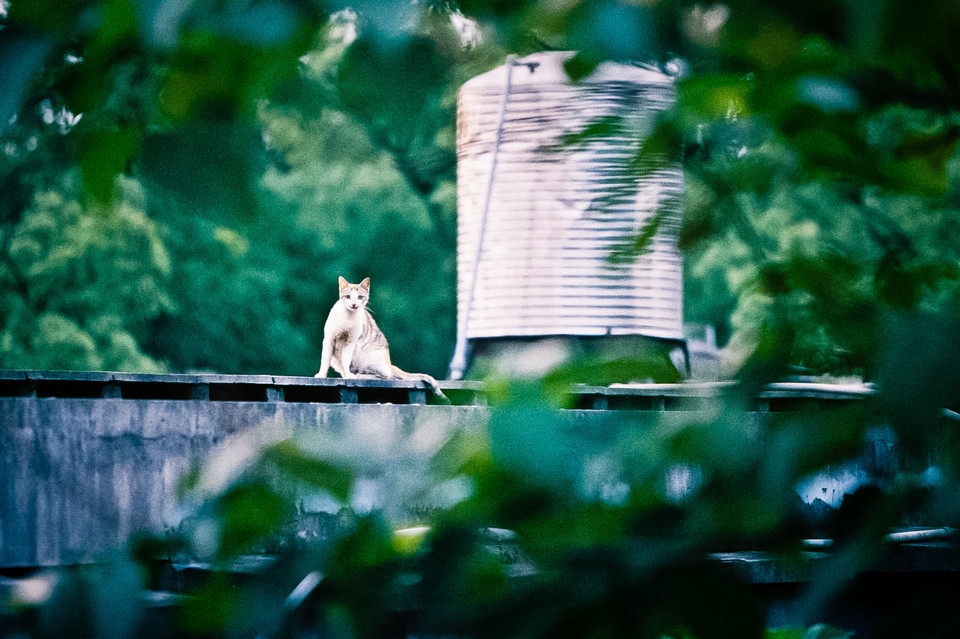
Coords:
423,377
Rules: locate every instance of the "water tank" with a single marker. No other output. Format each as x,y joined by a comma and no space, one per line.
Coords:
540,209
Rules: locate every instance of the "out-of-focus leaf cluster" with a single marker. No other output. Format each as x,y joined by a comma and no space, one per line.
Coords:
274,145
536,523
813,160
812,141
818,160
77,284
183,182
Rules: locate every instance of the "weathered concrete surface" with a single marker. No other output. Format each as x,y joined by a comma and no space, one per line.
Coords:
87,459
80,475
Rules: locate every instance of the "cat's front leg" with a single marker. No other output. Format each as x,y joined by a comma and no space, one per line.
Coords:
346,360
325,357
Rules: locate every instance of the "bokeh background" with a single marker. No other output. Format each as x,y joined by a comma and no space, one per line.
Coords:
182,182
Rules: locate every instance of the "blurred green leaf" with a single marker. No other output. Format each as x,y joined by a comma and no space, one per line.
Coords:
606,126
106,155
460,578
368,546
463,451
491,8
658,150
626,252
573,529
806,440
318,473
919,163
249,512
360,578
703,601
212,607
581,65
714,97
57,17
527,440
918,362
117,608
377,74
210,164
601,371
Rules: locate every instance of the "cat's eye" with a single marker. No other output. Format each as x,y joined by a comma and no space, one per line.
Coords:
360,297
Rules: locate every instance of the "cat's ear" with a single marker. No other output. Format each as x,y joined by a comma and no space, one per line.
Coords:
343,283
365,284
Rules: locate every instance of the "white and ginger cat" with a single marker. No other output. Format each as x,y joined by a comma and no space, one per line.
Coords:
355,346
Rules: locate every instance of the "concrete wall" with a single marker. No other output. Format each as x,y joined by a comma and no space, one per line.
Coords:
88,459
80,475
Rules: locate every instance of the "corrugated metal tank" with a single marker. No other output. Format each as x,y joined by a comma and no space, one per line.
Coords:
538,219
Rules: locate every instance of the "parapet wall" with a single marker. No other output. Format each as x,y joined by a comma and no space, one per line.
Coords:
87,459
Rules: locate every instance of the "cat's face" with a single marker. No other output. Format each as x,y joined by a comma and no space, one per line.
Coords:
354,296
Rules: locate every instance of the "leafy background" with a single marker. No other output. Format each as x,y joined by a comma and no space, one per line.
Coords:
267,148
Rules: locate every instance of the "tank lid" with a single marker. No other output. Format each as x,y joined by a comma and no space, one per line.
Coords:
547,67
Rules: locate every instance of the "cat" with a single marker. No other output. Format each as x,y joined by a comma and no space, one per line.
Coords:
355,346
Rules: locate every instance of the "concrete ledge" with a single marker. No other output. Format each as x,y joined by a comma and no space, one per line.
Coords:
215,387
787,396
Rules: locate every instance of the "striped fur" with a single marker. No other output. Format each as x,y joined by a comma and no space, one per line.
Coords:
355,346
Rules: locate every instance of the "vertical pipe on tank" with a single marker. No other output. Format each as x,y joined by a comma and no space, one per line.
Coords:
458,364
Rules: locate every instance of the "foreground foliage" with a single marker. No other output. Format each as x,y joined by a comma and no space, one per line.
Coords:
183,182
535,524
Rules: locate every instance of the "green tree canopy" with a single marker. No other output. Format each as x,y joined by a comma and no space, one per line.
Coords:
278,145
